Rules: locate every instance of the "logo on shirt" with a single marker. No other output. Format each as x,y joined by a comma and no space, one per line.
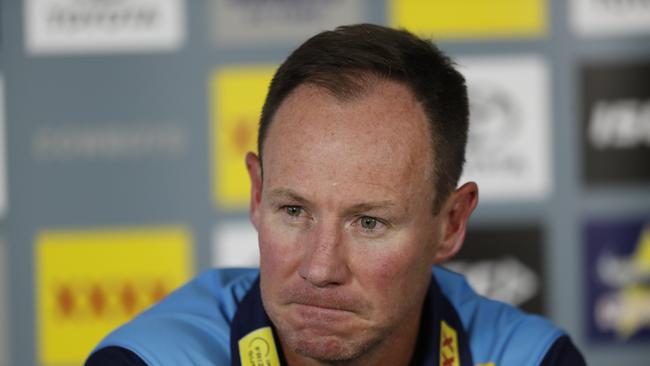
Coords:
449,355
257,348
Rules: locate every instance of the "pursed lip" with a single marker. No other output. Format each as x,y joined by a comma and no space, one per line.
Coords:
318,307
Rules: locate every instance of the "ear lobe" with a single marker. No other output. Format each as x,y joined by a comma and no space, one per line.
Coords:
254,167
455,215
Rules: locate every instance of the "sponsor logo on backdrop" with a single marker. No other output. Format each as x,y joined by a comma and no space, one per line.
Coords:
115,298
616,123
504,264
505,279
245,21
3,151
237,96
4,304
618,280
619,124
91,281
508,152
610,17
109,141
234,244
87,26
479,19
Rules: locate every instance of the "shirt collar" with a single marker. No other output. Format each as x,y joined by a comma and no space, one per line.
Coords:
441,338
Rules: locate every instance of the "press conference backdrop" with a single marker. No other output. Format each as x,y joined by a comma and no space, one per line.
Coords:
125,123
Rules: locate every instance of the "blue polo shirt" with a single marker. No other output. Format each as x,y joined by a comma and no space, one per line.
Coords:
218,319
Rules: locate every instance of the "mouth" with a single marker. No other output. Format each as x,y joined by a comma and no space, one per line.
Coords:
314,312
326,307
308,305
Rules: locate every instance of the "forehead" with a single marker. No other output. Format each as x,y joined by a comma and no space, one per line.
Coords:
380,136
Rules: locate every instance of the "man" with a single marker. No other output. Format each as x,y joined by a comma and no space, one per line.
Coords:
361,145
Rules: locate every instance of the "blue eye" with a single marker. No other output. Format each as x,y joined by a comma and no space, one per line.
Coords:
293,210
368,223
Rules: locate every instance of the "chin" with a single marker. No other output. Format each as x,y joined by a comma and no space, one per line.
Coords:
324,335
326,348
318,339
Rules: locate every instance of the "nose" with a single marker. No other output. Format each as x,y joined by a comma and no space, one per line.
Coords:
324,263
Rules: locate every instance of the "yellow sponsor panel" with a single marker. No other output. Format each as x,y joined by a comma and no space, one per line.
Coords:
257,348
237,96
449,355
470,18
88,282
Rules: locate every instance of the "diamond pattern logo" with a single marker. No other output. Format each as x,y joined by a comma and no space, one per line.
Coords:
237,97
91,281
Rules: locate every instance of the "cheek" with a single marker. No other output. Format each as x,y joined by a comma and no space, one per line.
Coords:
395,274
385,267
278,251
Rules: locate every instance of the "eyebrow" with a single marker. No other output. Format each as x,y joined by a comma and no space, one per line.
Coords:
360,207
287,193
368,206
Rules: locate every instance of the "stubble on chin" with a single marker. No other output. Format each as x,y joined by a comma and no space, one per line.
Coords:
327,338
327,342
327,349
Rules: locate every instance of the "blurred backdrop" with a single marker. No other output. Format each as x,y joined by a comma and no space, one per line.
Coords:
125,123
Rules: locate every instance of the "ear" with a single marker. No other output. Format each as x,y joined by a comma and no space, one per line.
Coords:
254,167
454,215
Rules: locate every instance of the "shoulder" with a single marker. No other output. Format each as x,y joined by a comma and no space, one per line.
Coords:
563,353
191,325
498,332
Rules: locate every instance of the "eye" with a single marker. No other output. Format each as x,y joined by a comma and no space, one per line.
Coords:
294,211
294,215
368,223
372,226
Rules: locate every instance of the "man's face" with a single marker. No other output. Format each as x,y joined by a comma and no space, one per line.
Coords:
346,231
